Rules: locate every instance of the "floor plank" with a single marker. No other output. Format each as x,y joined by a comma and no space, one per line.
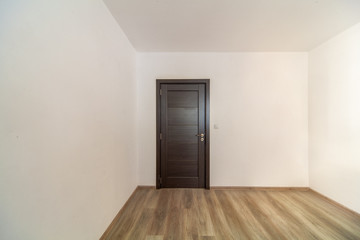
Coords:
195,214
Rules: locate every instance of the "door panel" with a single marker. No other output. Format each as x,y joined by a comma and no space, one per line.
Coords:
182,99
183,169
181,152
182,118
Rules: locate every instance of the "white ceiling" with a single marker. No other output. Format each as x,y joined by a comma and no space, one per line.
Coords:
232,25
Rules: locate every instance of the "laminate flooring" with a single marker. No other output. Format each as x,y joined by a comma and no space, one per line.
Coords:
194,214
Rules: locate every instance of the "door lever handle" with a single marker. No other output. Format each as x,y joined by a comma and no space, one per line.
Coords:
200,135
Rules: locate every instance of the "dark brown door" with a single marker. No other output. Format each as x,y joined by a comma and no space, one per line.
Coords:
183,135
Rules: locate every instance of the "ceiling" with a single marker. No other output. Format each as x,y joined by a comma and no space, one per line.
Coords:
232,25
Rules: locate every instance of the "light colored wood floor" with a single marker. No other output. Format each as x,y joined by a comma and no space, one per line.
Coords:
231,214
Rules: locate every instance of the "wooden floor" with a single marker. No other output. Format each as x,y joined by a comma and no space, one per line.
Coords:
231,214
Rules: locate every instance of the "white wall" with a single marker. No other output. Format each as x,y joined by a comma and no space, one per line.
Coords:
334,118
67,119
259,101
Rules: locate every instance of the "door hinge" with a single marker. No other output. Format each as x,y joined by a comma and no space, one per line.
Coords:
160,136
160,92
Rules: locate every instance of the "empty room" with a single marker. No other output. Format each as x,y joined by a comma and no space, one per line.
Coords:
187,119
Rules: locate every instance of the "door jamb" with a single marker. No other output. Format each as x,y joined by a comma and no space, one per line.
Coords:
207,125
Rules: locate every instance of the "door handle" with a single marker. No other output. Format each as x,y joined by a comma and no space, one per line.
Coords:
200,135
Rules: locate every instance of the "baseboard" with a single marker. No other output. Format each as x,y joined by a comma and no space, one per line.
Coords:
147,186
244,188
106,233
260,188
333,202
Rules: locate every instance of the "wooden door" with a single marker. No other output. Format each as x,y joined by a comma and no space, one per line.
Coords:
183,134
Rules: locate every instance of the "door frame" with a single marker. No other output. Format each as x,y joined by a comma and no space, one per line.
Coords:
207,125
